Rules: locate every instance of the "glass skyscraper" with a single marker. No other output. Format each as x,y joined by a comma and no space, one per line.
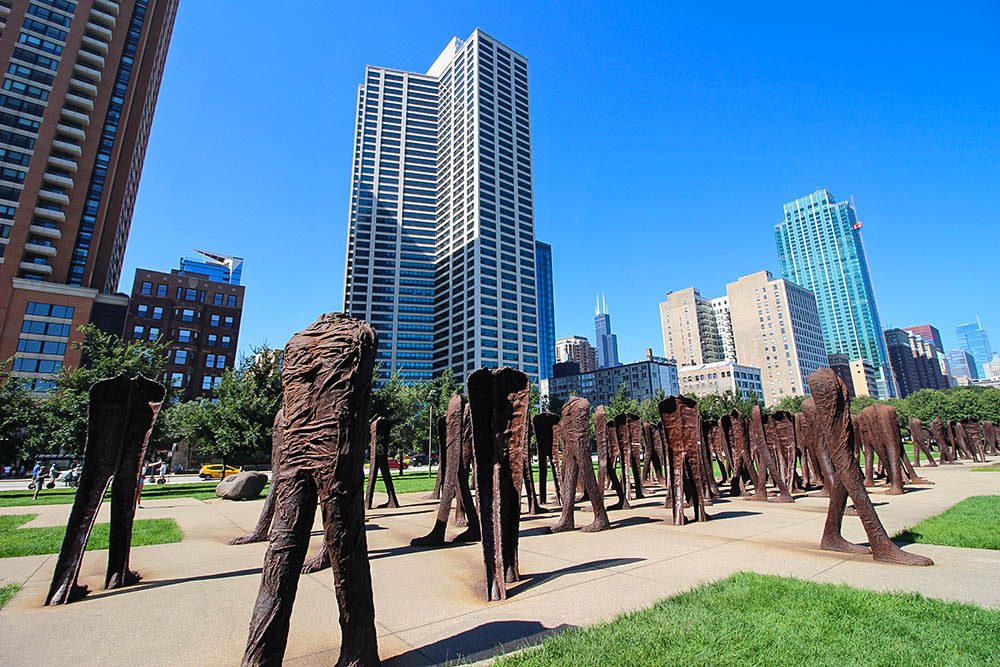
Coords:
972,338
820,248
546,309
606,342
220,268
441,233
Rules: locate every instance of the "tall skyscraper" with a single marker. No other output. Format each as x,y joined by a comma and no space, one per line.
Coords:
929,333
776,328
546,309
80,84
606,342
441,233
820,249
916,362
690,328
220,268
961,364
972,338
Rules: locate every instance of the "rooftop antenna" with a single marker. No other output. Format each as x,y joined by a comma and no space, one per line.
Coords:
604,303
597,308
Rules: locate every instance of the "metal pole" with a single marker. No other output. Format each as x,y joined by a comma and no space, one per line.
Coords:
430,434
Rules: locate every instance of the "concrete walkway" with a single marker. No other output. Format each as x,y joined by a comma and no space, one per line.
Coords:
194,603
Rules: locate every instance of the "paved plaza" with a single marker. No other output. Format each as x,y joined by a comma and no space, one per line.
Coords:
194,603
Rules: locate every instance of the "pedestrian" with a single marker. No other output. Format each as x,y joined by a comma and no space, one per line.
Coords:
39,479
53,473
138,495
164,469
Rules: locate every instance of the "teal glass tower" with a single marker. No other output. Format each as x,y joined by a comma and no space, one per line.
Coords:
972,338
820,248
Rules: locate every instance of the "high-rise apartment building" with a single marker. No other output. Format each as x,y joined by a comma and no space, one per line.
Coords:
776,328
441,234
545,296
80,82
972,338
198,313
724,324
605,341
916,362
820,249
578,350
929,333
690,330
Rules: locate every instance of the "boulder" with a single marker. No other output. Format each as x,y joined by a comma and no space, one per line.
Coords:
242,486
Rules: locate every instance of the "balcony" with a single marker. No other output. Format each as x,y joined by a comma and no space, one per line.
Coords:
97,17
98,30
44,269
82,119
62,163
95,44
54,197
86,72
48,251
91,58
47,232
67,147
57,179
109,6
70,131
80,101
48,214
83,87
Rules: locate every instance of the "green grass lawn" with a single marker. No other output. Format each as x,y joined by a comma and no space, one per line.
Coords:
752,619
64,496
7,592
993,467
972,523
17,541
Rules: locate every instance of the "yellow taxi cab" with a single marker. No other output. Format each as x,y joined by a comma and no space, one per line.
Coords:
214,471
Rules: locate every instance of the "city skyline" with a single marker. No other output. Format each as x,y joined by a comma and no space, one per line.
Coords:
691,169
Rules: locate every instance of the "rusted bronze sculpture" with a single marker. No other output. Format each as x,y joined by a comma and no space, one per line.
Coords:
761,452
456,461
992,437
921,442
628,432
974,437
839,460
805,437
260,531
780,433
737,432
682,432
577,468
378,464
652,464
607,443
499,404
544,423
327,378
442,436
120,418
941,435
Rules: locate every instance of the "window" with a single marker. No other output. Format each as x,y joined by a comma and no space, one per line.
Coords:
220,361
187,315
177,379
190,295
180,357
228,322
138,331
157,312
210,361
231,301
217,299
212,340
161,290
210,382
214,320
154,333
142,310
184,336
146,289
226,341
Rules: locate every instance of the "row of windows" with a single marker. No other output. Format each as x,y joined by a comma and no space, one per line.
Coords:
49,310
45,328
36,365
188,294
34,346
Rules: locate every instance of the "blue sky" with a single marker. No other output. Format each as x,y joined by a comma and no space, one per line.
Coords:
665,138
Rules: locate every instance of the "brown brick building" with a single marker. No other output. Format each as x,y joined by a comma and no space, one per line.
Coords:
80,82
199,316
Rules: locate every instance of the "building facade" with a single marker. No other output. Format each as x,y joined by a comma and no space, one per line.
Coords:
690,333
719,378
605,341
579,350
916,362
961,364
776,328
641,379
545,296
841,365
441,234
820,248
199,317
80,84
220,268
929,333
724,325
972,338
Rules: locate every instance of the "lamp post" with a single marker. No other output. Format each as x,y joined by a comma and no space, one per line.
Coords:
430,427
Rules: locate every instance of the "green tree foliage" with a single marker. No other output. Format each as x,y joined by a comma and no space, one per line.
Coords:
791,404
237,425
16,410
714,406
60,420
621,403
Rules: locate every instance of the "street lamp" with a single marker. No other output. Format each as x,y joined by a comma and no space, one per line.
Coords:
430,427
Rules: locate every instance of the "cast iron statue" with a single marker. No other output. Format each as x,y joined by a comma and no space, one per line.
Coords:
545,424
578,468
327,377
682,435
120,418
260,531
379,464
761,452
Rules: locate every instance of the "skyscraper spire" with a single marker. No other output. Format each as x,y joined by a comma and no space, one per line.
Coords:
597,307
604,303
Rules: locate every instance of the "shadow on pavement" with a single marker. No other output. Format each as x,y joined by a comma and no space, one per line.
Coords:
529,581
479,643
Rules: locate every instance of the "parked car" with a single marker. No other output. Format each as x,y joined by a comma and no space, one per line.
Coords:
214,471
394,464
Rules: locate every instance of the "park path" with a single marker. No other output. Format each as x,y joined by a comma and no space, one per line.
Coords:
194,603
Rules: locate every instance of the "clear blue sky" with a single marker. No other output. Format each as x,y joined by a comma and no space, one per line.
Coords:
665,136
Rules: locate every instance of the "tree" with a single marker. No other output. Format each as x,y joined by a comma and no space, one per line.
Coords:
621,403
649,408
714,406
791,404
16,413
60,422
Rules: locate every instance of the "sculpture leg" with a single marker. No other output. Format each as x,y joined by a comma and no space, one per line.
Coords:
678,487
473,532
555,479
570,478
372,478
636,474
347,549
529,486
832,539
869,464
616,485
390,487
894,470
296,508
259,533
124,497
320,560
543,478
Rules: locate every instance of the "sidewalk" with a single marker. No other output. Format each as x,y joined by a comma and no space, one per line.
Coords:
194,603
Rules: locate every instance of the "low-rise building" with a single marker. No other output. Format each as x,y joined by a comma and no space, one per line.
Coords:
720,377
641,379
